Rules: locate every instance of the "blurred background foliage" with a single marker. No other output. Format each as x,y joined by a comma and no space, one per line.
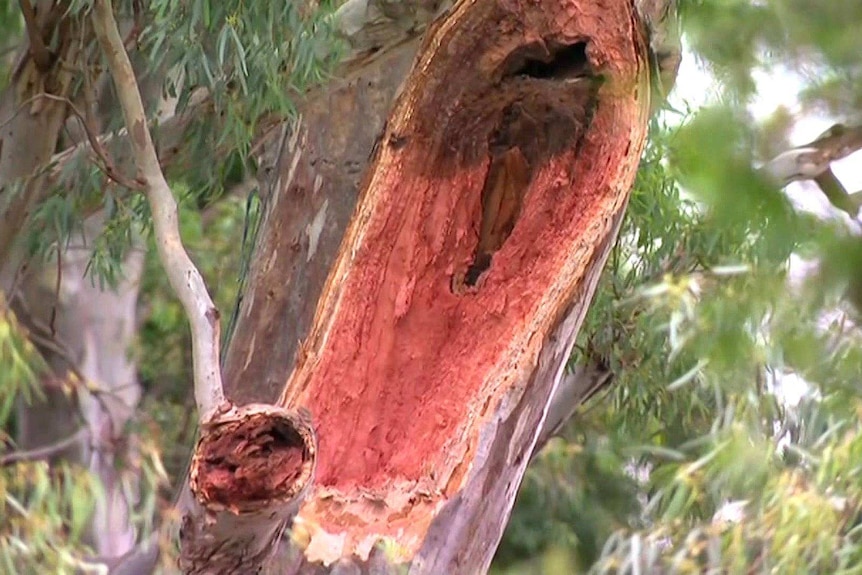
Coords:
730,441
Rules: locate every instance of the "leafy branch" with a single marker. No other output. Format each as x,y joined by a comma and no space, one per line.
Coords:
184,277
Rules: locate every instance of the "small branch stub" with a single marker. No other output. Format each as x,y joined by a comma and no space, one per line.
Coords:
252,468
251,457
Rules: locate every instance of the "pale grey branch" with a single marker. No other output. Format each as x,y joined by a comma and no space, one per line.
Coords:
46,451
184,277
575,389
811,160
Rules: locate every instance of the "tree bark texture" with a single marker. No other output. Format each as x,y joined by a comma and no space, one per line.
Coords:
30,123
494,194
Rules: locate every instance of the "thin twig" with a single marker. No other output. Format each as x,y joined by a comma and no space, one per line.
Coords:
182,273
106,165
96,144
131,39
52,322
19,109
42,335
46,451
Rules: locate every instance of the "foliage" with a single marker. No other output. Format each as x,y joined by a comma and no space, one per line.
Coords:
46,512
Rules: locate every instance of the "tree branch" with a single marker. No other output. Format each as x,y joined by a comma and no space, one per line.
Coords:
107,165
181,271
46,451
811,160
41,54
836,193
574,389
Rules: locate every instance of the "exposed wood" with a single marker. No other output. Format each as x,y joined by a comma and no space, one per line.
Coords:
463,537
252,469
418,389
577,190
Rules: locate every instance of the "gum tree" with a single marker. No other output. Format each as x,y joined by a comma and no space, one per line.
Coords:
401,373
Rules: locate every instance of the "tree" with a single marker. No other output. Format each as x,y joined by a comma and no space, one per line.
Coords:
359,493
545,73
704,327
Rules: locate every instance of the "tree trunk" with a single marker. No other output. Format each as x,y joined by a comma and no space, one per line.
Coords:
493,197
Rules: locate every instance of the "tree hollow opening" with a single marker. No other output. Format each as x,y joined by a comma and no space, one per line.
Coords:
540,106
548,60
258,458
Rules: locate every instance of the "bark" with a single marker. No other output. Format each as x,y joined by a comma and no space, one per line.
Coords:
312,171
183,275
437,340
30,124
573,390
250,472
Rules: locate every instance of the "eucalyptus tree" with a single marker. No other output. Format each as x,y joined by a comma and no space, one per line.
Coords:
552,118
415,260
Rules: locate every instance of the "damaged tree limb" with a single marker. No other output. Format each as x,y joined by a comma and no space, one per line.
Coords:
252,464
493,198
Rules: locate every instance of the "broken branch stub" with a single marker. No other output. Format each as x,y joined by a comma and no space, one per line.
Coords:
489,208
251,469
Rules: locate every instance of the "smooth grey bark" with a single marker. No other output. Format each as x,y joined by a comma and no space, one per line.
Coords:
98,328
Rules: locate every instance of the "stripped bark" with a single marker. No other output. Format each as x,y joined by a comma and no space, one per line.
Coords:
428,400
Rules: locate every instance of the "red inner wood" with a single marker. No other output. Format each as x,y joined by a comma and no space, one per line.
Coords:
416,367
250,460
405,348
